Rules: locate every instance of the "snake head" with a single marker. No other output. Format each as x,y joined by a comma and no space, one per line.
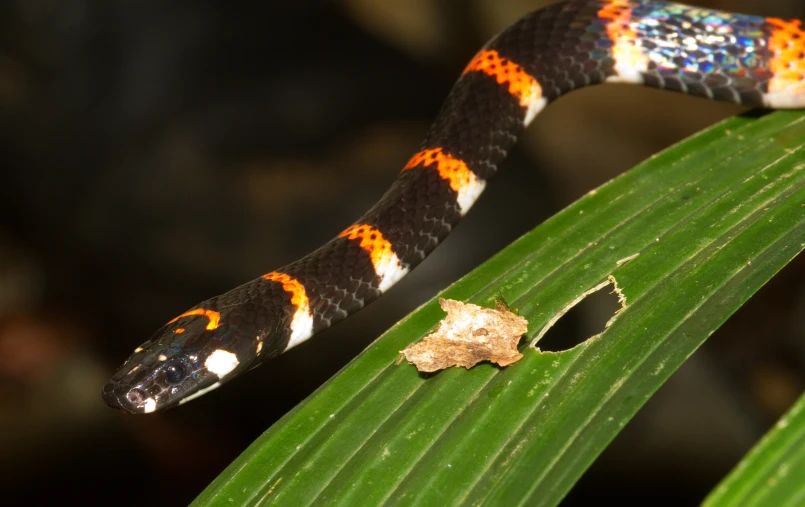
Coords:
186,358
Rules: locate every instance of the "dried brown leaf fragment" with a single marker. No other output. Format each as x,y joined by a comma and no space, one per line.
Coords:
468,335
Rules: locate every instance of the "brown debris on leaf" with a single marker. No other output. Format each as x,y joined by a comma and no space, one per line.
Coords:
468,335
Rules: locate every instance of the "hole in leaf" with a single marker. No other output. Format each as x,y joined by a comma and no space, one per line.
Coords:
581,320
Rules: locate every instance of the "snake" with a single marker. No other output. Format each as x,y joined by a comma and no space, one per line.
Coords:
749,60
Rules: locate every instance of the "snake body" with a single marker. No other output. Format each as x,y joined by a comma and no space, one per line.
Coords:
743,59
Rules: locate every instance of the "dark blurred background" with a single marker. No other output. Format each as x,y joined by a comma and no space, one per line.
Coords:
155,153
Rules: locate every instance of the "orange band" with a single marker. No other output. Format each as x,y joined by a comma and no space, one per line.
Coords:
787,45
519,83
625,50
214,317
452,170
293,287
372,241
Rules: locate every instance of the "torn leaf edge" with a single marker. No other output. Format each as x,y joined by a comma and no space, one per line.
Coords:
558,315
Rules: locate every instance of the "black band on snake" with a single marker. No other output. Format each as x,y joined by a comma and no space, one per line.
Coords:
717,55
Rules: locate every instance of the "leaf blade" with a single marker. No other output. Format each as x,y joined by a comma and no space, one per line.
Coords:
695,214
773,473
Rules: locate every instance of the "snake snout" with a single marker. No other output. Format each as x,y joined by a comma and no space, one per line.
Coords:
121,397
110,395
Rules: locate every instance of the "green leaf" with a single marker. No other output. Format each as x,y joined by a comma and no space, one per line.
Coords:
773,473
688,236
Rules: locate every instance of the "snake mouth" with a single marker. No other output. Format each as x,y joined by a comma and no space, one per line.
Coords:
148,396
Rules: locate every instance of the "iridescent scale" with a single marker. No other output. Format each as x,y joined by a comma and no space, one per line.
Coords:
716,54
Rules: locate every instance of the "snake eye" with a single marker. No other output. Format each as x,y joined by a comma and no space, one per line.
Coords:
175,373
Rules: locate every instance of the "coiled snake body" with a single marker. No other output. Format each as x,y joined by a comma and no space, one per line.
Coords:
713,54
